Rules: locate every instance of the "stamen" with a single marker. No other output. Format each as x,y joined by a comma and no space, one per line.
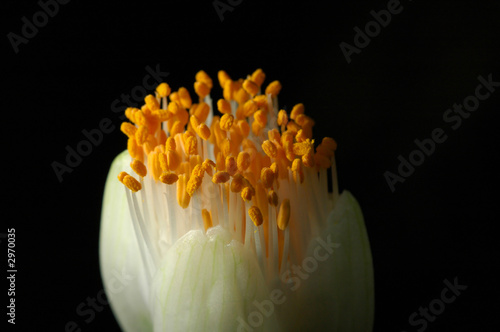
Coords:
163,90
131,183
284,214
255,215
139,168
128,129
221,177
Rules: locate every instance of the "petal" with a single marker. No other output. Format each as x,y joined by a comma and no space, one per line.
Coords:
122,271
338,293
206,282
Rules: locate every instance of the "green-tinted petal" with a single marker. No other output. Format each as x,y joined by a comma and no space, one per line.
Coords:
338,294
122,272
206,282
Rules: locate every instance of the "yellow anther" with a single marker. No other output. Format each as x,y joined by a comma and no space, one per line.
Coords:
237,183
139,168
300,118
247,193
249,108
288,148
272,198
174,160
224,106
241,96
243,161
133,148
163,115
131,183
202,76
298,171
228,90
207,166
261,101
231,165
130,113
301,135
174,107
221,177
184,97
220,162
258,77
170,144
168,178
273,88
256,128
121,176
202,111
308,159
191,145
141,135
128,129
255,215
193,120
193,184
226,121
198,170
302,148
177,128
203,131
260,117
163,160
269,149
296,110
151,102
223,77
163,90
284,214
274,136
251,87
182,196
225,147
244,128
201,89
275,169
329,143
207,219
267,177
322,161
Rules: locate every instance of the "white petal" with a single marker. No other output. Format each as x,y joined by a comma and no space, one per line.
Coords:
207,282
337,295
122,272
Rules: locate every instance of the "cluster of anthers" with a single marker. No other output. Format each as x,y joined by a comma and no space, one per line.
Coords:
253,169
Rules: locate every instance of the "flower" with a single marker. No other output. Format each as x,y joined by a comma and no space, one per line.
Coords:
225,222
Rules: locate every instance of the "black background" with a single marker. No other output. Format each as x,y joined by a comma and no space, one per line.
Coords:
439,224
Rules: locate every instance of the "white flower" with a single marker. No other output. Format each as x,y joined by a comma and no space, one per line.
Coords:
227,225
